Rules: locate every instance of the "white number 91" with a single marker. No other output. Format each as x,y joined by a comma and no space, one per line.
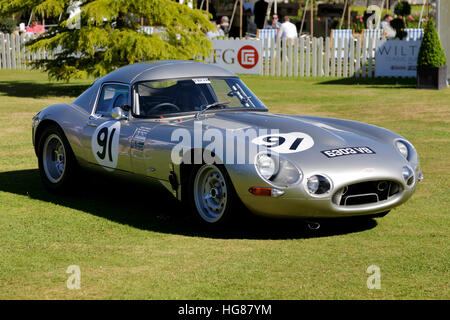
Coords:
285,142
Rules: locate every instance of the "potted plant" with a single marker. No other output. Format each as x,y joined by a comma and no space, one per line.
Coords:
431,63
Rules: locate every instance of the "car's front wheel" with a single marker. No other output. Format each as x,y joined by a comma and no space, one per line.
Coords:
212,196
57,164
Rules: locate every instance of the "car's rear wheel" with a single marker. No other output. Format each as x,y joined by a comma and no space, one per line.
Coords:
212,196
57,164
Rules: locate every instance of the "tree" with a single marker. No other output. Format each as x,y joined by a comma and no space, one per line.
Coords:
431,53
110,34
402,8
7,24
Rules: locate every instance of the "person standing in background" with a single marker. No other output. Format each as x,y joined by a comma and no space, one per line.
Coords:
225,24
275,24
36,28
388,31
260,11
217,32
288,30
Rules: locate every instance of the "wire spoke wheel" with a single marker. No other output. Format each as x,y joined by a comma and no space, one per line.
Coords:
54,158
210,193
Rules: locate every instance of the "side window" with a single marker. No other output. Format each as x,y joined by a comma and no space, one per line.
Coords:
112,95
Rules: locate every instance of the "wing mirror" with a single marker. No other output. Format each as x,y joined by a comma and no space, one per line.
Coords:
118,113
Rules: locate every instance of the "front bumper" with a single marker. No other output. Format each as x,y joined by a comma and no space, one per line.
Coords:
297,202
319,208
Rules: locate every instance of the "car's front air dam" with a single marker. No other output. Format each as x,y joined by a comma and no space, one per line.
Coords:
302,207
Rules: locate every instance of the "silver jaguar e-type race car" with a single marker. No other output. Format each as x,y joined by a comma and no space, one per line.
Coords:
197,130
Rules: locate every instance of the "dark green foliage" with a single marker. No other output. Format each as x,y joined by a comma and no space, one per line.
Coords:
402,8
431,53
7,24
110,35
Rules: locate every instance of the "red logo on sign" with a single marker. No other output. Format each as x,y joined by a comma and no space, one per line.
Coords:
248,57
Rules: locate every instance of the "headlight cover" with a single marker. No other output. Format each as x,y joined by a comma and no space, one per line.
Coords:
403,148
266,165
36,120
276,170
408,175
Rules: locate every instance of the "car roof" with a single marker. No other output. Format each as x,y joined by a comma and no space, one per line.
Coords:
163,70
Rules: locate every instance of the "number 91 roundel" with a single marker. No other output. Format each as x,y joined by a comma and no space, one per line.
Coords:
285,142
105,144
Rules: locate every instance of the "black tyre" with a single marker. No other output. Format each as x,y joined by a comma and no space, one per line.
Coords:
211,196
57,163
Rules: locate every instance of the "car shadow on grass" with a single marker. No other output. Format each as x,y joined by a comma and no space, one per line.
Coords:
28,89
147,208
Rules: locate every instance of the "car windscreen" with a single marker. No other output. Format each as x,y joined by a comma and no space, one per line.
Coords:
156,98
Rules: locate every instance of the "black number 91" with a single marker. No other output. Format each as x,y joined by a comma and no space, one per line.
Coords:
105,143
275,141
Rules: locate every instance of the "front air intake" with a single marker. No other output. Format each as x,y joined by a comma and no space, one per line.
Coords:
366,193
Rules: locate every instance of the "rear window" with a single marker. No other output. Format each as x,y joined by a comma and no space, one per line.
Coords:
86,99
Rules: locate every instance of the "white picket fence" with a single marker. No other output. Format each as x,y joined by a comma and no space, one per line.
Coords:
13,54
319,57
300,57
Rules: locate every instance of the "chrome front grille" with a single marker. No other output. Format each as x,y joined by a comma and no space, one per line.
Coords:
366,193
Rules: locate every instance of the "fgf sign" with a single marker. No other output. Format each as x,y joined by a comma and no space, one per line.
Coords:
239,56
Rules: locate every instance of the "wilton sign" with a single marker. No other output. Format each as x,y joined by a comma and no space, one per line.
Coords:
396,58
238,56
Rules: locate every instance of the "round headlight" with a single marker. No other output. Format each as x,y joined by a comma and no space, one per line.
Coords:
266,165
313,184
402,148
318,185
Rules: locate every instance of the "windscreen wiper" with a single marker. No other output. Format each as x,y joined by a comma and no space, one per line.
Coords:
212,105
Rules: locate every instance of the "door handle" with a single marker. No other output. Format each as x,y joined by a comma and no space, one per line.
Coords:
92,118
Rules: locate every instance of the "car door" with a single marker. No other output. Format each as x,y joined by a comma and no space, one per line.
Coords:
106,139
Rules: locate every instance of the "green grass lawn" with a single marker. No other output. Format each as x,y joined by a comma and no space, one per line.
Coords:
139,244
